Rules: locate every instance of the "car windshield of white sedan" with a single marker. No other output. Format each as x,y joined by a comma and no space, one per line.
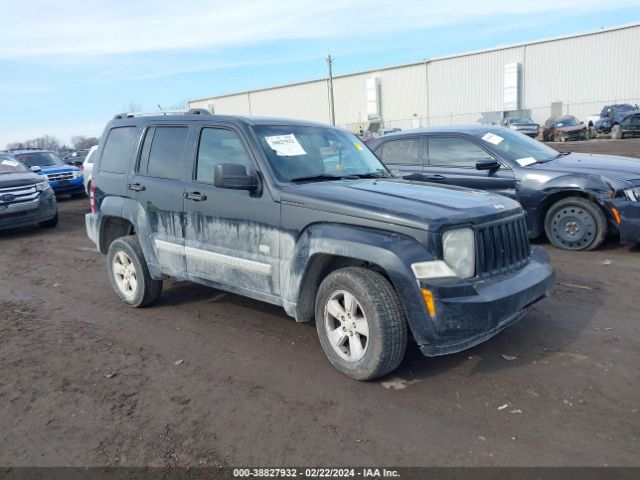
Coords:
304,153
10,165
39,159
517,147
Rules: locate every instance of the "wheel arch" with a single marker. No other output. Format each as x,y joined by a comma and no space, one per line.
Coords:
325,248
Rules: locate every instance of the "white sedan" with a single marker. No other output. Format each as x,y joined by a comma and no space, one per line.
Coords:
87,168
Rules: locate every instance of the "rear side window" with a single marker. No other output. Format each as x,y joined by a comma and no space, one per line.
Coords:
455,152
118,149
401,152
219,146
165,148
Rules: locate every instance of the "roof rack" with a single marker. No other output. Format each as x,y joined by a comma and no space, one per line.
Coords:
192,111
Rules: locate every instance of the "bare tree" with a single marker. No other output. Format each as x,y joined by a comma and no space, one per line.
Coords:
133,107
46,142
80,142
181,105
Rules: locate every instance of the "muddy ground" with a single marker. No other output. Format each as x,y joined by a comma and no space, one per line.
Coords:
207,378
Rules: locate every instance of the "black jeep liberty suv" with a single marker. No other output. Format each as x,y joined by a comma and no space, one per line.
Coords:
303,215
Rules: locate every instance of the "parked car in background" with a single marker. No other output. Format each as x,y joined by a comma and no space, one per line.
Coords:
563,129
87,168
387,131
611,118
303,215
75,158
64,179
575,198
26,198
522,124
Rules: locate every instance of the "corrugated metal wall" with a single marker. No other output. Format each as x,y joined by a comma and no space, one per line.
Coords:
583,72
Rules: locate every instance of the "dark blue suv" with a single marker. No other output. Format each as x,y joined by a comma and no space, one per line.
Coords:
64,179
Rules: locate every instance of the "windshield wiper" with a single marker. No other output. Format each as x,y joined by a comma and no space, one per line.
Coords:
379,173
562,154
321,177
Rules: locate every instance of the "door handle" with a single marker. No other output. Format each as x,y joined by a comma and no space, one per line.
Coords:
434,177
136,187
195,196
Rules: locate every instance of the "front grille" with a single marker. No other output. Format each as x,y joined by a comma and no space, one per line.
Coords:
57,177
18,194
501,246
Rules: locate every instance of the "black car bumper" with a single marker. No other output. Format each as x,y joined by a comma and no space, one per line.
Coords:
68,187
30,213
471,314
629,226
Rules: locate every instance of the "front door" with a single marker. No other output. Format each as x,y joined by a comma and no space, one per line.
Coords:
158,183
452,160
232,236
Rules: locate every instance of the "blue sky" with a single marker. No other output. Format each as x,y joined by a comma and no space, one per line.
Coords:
67,67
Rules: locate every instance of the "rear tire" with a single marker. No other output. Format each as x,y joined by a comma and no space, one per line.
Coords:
129,274
360,322
575,223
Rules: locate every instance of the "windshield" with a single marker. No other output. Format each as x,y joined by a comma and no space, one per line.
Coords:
302,152
39,159
567,122
519,120
516,147
8,164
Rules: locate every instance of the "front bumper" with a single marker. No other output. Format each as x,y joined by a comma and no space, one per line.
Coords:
29,213
629,226
467,315
69,187
91,225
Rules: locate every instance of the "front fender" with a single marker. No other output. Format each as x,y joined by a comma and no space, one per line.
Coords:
393,253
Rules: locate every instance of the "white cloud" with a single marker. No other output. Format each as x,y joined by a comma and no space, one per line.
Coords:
75,27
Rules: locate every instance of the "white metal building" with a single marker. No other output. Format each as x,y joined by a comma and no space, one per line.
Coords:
576,74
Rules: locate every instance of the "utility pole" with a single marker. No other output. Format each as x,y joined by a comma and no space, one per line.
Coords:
331,100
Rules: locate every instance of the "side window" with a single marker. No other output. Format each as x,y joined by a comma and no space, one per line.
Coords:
454,152
166,147
219,145
118,149
404,151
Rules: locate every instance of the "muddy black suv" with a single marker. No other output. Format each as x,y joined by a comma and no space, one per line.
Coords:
304,216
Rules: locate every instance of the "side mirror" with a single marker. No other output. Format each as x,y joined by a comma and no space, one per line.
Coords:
36,169
234,176
487,164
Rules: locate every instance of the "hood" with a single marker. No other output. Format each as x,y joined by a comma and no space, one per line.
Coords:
58,168
523,125
621,168
8,180
401,202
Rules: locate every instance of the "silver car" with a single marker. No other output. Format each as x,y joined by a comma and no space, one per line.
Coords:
522,124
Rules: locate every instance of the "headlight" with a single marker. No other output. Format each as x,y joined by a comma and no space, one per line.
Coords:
633,194
459,251
77,174
43,186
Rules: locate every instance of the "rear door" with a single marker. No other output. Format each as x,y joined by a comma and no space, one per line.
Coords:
452,160
403,156
159,184
232,236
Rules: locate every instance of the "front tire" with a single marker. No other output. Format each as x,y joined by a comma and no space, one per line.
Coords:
53,223
575,223
360,322
129,274
616,132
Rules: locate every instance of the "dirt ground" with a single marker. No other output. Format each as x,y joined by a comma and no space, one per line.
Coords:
207,378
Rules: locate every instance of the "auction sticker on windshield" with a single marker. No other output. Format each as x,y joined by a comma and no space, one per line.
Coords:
11,163
285,145
492,138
